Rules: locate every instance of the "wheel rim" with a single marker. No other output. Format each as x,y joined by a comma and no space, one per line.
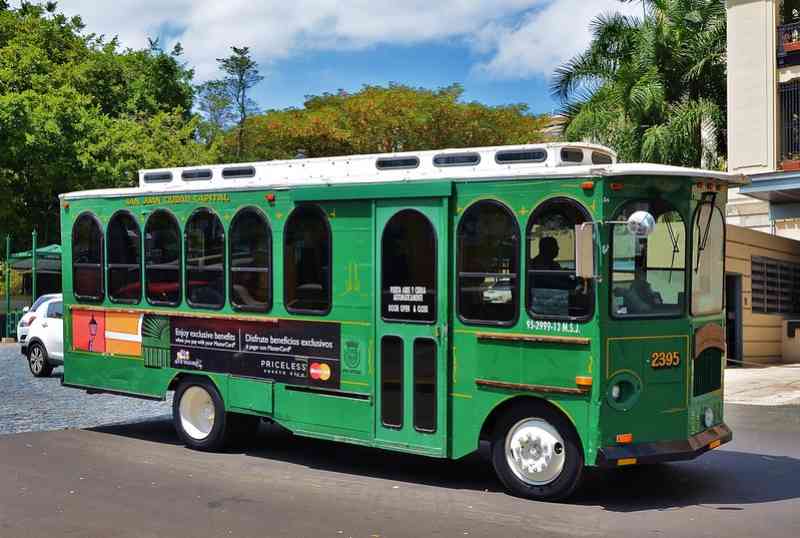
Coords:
535,451
37,360
197,412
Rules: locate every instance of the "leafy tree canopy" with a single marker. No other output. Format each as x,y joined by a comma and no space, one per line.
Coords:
78,112
384,119
653,88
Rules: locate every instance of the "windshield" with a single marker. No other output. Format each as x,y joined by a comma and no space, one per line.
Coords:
708,259
40,300
648,273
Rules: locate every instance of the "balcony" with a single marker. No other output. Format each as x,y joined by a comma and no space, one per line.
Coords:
788,44
790,125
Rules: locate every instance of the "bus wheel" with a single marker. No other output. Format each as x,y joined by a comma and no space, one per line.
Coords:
199,415
37,361
536,454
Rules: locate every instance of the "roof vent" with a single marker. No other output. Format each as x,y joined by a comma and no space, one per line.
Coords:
519,156
598,157
457,159
396,163
196,175
237,172
158,177
572,155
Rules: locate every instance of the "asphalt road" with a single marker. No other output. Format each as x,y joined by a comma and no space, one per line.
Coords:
135,480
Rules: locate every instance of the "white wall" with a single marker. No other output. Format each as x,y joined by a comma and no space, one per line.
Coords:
752,86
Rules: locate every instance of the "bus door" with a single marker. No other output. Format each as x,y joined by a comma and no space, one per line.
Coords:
411,325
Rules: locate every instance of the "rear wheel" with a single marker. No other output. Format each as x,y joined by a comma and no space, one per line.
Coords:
537,454
199,415
37,361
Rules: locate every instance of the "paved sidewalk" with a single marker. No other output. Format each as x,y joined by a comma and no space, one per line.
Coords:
771,385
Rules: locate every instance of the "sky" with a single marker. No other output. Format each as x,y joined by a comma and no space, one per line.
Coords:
501,51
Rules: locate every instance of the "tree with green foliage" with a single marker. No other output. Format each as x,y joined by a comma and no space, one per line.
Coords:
76,112
215,104
241,75
381,119
653,88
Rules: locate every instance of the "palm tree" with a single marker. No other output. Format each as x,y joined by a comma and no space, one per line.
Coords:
653,88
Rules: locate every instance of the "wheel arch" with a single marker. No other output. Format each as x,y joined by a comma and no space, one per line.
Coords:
184,376
512,402
32,342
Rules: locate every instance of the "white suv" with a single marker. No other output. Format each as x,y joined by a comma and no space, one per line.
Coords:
29,314
45,340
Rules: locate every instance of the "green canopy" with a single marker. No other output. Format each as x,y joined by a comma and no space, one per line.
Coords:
48,260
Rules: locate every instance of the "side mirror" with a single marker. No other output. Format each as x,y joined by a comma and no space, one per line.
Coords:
584,251
641,223
26,309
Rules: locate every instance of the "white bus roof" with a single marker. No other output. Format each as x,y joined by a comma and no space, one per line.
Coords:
529,161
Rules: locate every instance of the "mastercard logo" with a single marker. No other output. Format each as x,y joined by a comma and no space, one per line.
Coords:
319,371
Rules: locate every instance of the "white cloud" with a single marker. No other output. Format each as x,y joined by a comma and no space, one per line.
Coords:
550,31
543,39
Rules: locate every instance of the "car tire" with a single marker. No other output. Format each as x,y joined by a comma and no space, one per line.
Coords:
37,360
537,454
198,413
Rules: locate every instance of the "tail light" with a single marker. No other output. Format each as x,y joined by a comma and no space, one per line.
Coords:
29,322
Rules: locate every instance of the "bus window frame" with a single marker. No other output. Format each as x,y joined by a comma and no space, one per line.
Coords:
528,308
270,270
691,259
687,253
103,293
435,271
109,265
174,218
326,221
187,268
517,287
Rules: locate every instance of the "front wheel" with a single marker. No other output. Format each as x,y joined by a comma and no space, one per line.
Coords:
537,454
199,415
37,361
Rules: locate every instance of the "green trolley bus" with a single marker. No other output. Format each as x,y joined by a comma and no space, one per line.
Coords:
544,298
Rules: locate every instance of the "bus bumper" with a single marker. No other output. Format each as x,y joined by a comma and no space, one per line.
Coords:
683,449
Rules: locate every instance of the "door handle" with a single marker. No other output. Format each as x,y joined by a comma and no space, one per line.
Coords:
44,325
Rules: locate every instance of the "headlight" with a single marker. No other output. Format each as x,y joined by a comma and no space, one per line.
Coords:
615,391
708,417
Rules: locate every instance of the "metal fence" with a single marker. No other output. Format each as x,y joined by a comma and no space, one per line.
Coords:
790,120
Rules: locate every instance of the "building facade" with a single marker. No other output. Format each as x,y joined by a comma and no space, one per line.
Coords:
763,262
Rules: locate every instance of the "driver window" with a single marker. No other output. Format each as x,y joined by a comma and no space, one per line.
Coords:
553,288
648,275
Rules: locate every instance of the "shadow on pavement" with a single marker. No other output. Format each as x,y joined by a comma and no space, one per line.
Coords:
719,480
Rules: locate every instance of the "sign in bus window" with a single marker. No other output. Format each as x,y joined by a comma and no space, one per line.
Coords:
408,274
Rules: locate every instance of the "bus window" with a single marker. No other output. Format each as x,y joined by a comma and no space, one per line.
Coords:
488,246
205,260
307,261
124,259
708,260
408,268
251,261
392,369
425,385
162,254
553,289
87,259
648,273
